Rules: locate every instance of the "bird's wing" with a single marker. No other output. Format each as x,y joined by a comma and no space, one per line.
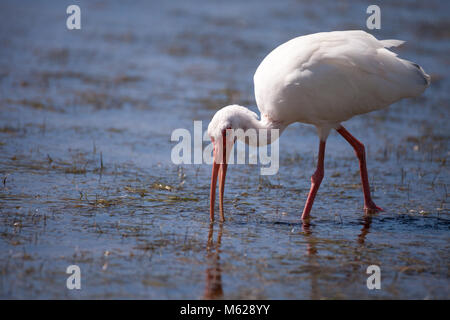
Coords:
332,76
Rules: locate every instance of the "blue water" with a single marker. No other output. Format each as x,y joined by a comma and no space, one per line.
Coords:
85,123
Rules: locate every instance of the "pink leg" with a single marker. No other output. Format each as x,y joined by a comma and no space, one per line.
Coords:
369,205
316,179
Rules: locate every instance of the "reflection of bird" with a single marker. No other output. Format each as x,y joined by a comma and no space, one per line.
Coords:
213,286
314,265
311,246
367,221
321,79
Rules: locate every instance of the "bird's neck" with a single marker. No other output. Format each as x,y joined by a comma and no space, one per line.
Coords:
266,127
269,123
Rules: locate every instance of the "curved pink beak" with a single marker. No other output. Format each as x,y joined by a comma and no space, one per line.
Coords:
219,165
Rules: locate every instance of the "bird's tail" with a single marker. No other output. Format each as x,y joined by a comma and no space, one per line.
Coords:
389,43
420,80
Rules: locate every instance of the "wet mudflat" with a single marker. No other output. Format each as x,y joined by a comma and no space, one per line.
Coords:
86,175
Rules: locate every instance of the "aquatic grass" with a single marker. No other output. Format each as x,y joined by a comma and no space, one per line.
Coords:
36,104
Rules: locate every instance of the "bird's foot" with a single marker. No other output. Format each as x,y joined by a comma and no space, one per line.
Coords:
371,207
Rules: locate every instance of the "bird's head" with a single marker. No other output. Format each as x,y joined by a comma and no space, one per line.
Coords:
220,130
231,117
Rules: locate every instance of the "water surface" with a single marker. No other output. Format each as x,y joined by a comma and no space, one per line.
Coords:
86,177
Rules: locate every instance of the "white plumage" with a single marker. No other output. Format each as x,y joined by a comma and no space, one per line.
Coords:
324,79
327,78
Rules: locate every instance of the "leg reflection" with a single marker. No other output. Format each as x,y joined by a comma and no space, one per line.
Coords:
311,245
213,285
314,266
367,220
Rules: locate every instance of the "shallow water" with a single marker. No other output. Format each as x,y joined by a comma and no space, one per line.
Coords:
85,125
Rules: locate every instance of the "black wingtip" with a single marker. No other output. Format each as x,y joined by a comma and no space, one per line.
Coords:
426,78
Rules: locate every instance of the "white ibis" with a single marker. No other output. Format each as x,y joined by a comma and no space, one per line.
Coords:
321,79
